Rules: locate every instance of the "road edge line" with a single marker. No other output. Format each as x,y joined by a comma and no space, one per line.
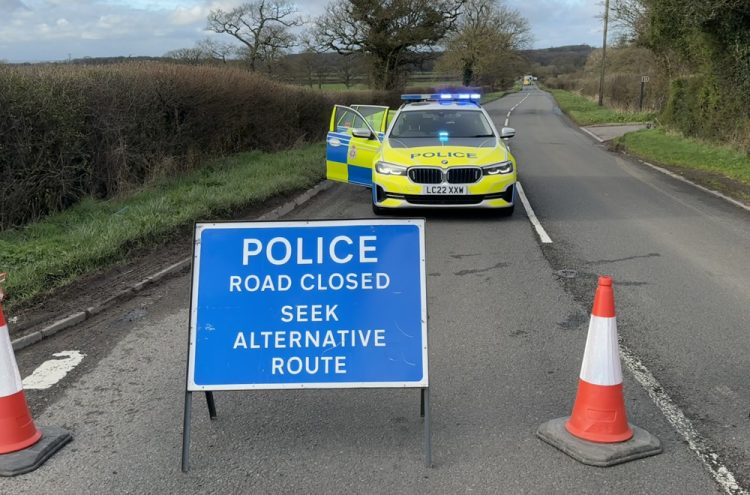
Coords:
688,181
591,134
77,317
674,175
681,424
543,236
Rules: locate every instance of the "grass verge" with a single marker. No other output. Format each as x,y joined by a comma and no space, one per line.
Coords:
97,233
585,112
674,150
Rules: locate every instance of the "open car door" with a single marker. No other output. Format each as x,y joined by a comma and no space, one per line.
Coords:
351,146
379,117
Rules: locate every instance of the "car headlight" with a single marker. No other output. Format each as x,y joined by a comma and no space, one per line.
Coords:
498,168
386,168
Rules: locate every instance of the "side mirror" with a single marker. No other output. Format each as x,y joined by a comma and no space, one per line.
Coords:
362,132
507,132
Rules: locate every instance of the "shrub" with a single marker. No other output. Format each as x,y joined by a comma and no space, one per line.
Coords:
67,132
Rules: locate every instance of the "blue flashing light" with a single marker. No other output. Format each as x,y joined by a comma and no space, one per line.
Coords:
443,136
445,97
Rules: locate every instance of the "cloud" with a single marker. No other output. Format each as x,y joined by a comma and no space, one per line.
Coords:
56,29
11,5
562,22
39,30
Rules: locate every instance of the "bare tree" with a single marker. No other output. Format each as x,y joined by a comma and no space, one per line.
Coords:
216,50
484,46
305,66
392,33
630,17
187,55
348,68
261,26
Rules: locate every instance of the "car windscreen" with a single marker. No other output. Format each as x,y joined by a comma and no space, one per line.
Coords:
447,123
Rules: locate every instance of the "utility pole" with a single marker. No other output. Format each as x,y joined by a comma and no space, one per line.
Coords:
604,52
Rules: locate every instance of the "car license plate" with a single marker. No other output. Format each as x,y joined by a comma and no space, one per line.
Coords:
439,189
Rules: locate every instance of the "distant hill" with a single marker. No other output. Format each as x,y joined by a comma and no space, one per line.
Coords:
559,59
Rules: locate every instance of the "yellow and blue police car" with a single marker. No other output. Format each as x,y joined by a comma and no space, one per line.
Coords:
437,150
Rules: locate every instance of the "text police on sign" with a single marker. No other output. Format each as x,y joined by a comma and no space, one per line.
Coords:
316,304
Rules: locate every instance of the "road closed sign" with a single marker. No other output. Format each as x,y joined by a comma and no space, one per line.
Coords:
308,304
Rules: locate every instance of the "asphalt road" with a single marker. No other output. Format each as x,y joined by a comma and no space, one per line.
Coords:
506,334
680,257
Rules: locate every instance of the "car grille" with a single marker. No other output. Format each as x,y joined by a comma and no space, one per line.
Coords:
467,199
426,175
464,175
434,175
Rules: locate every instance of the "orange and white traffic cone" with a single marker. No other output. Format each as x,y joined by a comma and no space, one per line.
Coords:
23,447
17,429
599,410
598,432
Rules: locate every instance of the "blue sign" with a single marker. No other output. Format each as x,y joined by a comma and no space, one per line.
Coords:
308,304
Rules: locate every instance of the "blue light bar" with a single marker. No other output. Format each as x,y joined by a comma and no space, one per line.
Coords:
475,97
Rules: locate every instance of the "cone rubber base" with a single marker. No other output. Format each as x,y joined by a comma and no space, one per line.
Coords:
642,444
30,458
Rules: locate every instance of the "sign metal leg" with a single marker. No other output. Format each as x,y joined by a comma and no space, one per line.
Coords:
427,432
211,404
186,432
421,403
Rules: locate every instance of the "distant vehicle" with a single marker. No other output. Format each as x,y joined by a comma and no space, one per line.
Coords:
527,80
440,150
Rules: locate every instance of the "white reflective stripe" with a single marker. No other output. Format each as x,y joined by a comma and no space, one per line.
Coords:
601,359
10,379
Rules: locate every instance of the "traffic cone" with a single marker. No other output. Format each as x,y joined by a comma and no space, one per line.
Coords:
17,429
599,410
598,432
23,447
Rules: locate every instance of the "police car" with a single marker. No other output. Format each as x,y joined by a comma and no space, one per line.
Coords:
437,150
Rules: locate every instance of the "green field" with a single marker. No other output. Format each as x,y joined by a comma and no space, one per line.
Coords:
95,234
586,112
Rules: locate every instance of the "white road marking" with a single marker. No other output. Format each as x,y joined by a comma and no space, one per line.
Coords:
526,205
592,134
681,423
532,216
50,372
683,179
646,379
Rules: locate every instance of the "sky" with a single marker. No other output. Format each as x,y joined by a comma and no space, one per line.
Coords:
47,30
